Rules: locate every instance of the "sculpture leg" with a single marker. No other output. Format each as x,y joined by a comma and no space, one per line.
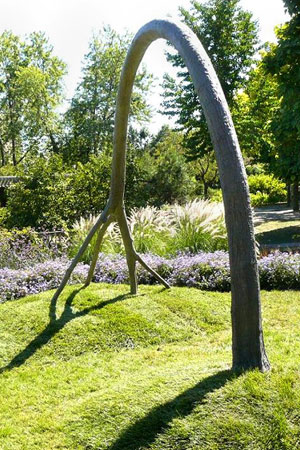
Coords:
100,236
76,259
129,249
153,272
132,256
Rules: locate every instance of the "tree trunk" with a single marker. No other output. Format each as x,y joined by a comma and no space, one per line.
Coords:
14,156
289,197
295,198
2,153
205,190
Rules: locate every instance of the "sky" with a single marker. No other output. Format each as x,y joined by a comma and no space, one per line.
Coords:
70,24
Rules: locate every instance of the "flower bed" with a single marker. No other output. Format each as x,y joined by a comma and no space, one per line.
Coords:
41,277
208,271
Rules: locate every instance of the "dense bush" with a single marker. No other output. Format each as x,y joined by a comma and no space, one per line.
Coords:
208,271
266,189
52,195
55,192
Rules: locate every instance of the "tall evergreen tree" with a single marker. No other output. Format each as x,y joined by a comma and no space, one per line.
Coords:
229,35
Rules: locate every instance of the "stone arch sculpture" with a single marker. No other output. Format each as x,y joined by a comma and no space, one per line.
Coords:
247,336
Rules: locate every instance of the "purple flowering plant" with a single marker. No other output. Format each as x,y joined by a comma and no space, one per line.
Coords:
208,271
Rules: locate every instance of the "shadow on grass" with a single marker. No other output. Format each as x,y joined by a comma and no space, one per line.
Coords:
144,432
55,325
278,236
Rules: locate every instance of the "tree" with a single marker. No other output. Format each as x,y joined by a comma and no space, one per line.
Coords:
30,90
283,61
255,107
52,195
90,117
206,171
229,36
170,178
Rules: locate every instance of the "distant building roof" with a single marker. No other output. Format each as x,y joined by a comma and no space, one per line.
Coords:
7,181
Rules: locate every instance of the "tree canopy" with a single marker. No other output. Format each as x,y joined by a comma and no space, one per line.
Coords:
90,118
30,90
229,35
283,62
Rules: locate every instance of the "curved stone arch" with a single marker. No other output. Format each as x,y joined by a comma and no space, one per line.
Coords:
247,336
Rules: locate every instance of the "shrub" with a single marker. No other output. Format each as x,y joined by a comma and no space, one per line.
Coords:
3,216
266,189
52,195
280,270
215,195
41,277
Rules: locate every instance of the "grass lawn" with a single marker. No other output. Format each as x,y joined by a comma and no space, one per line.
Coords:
106,370
278,232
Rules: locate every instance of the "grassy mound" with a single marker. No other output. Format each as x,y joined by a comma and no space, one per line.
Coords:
105,370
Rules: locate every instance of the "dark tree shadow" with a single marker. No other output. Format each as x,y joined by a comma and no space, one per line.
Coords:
144,432
55,325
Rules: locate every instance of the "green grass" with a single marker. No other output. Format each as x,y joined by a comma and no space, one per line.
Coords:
106,370
277,232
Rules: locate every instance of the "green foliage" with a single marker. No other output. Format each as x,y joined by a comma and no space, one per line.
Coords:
30,90
292,6
205,171
3,216
170,177
215,195
90,118
53,195
283,61
266,189
121,372
254,110
229,35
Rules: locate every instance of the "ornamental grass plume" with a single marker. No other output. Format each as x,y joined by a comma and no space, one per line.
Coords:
199,225
79,231
193,227
152,229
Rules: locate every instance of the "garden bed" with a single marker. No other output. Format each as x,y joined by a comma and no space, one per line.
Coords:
207,271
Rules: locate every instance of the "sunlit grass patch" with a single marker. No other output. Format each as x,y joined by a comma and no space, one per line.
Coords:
106,370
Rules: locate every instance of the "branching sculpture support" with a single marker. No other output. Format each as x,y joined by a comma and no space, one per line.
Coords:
248,345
